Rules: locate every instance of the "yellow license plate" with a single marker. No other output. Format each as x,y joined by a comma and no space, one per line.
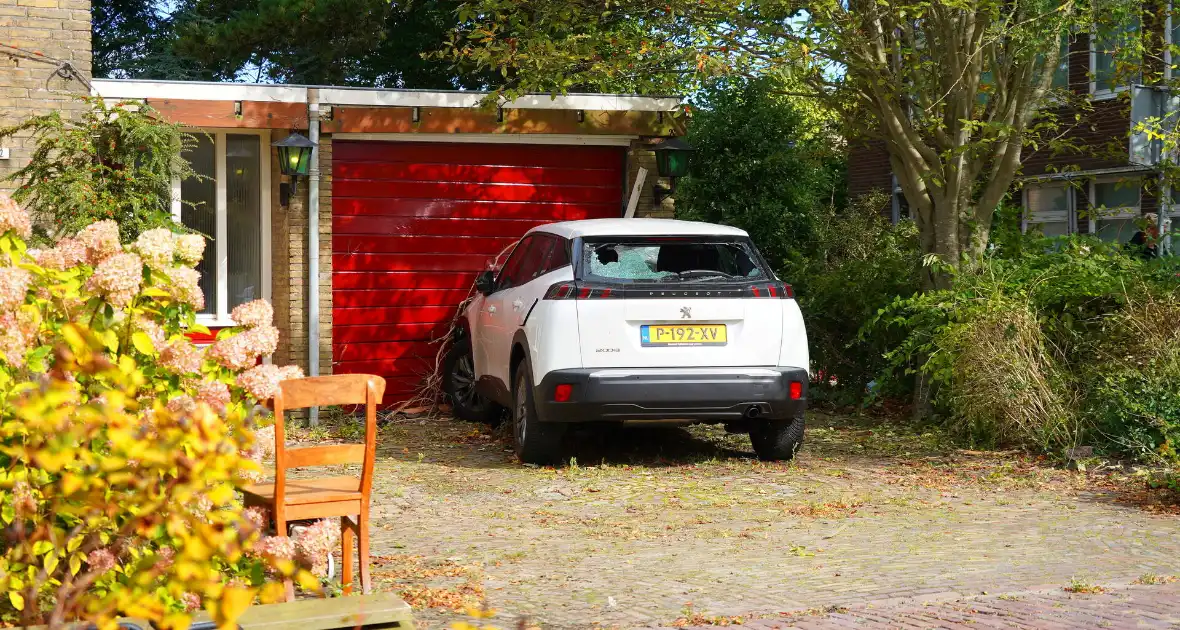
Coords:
712,335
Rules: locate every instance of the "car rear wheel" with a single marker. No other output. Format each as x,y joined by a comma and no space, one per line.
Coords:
777,439
534,442
459,386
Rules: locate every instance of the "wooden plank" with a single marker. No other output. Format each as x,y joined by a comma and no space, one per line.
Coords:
384,610
392,315
495,174
470,209
477,154
426,261
325,456
519,121
428,331
322,391
400,280
432,227
355,298
384,350
414,244
476,191
255,114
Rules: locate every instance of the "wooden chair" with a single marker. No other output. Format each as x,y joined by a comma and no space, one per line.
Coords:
327,497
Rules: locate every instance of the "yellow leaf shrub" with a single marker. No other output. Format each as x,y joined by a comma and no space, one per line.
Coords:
122,443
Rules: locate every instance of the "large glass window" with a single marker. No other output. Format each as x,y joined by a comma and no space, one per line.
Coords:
1047,209
1113,45
1115,207
228,205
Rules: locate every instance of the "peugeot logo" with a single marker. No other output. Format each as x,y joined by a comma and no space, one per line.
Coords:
685,312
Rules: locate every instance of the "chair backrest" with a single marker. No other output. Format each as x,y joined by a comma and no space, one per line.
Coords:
319,391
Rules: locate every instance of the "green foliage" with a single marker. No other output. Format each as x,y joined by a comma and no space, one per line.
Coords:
759,164
1130,380
320,42
859,264
1048,344
112,162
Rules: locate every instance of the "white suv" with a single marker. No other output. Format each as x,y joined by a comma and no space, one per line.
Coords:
632,320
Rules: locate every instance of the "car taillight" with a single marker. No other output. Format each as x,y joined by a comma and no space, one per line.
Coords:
575,291
563,392
796,390
773,290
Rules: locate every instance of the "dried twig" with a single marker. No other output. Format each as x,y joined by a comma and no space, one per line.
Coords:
430,393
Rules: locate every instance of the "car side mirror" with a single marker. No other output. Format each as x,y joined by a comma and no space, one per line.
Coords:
485,282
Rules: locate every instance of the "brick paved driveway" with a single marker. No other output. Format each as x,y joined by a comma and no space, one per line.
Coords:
652,526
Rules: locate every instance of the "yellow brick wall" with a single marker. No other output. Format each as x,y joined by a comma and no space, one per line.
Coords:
58,30
289,274
640,155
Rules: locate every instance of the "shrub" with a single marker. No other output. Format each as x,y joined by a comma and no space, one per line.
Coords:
1130,386
1048,344
860,264
761,164
121,442
113,162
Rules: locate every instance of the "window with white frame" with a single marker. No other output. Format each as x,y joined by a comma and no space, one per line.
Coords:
1109,45
1047,209
1114,208
230,205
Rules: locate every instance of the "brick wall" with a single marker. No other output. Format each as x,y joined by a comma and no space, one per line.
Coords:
640,155
325,279
52,30
869,170
289,260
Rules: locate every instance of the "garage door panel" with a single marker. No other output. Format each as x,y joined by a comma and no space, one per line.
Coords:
383,280
414,223
349,244
536,175
471,209
471,263
392,315
382,350
476,190
433,227
399,297
483,155
390,332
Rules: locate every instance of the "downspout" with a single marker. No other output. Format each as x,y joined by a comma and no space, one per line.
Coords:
313,245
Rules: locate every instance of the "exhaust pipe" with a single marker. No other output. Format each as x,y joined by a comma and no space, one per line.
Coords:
753,412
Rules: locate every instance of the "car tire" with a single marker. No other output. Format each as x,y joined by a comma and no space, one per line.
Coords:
459,386
777,439
533,441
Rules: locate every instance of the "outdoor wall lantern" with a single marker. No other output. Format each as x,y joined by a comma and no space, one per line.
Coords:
671,162
294,160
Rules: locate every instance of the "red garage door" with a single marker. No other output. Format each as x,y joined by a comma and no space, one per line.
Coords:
412,223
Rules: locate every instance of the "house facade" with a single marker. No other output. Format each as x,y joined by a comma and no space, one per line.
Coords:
1096,189
411,193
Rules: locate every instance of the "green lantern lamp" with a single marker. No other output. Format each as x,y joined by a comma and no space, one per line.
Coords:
294,157
672,157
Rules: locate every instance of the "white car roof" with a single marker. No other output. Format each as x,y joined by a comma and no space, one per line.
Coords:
637,227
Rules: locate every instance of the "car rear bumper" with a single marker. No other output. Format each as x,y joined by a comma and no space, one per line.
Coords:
671,394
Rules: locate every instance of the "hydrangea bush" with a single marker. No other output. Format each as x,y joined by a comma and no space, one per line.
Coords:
121,442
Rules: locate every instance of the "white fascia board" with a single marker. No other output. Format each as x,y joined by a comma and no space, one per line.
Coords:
197,91
363,97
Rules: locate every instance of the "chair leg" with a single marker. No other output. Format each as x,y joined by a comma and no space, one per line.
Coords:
347,533
281,530
363,551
